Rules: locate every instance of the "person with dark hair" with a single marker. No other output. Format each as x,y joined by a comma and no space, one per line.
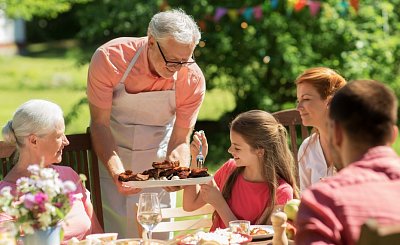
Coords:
362,126
144,96
259,179
315,88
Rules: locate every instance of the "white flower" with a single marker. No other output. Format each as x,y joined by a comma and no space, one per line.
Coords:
48,173
27,227
69,186
45,219
41,199
34,169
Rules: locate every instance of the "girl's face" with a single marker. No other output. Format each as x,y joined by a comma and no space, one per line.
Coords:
242,152
313,109
51,145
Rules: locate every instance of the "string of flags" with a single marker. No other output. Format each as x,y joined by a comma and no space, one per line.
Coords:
256,12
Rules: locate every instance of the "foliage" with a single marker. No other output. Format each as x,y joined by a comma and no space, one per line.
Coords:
260,62
41,200
27,9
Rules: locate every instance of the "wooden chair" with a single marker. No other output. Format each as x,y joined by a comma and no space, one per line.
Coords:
78,155
198,219
374,234
292,121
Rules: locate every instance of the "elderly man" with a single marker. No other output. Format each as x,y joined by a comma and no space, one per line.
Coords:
144,97
363,117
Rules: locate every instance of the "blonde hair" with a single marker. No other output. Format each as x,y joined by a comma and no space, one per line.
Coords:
261,131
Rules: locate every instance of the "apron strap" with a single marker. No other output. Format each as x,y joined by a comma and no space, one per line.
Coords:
131,64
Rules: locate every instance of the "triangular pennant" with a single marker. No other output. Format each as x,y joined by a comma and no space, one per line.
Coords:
233,14
300,5
343,7
291,3
219,13
257,10
274,4
354,4
202,24
315,6
164,6
248,13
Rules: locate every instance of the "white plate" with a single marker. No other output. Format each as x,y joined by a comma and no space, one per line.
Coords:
264,227
164,183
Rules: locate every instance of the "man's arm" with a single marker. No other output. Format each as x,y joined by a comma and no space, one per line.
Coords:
104,146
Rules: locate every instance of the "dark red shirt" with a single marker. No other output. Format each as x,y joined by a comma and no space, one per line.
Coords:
332,211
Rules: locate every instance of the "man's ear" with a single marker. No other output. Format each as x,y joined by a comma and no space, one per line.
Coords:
151,40
395,134
338,134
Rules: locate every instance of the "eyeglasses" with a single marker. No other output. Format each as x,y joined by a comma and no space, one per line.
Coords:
174,64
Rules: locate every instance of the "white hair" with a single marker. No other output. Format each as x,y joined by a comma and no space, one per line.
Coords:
174,23
39,117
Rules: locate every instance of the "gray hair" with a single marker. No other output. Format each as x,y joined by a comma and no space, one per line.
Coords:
39,117
174,23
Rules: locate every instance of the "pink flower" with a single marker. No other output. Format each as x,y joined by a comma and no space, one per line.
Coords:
29,201
40,199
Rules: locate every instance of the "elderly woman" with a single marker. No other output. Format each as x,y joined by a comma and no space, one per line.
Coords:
315,89
37,130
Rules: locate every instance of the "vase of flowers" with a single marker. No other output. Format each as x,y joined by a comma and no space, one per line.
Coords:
38,204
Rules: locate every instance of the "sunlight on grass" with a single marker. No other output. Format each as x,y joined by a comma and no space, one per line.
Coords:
65,98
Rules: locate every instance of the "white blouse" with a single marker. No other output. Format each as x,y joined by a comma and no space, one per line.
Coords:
312,164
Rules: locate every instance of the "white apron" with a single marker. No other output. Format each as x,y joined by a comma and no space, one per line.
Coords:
141,125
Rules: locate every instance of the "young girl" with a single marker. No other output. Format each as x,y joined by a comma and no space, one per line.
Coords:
259,179
315,88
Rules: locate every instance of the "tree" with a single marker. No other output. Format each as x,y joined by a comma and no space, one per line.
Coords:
27,9
258,60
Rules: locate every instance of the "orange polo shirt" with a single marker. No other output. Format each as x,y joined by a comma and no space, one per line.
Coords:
109,63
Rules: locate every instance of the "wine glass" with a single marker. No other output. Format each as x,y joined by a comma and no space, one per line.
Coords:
149,212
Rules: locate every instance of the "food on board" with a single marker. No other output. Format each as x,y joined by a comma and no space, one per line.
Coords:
165,170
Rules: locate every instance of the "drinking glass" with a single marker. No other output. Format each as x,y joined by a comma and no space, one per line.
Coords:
240,226
149,212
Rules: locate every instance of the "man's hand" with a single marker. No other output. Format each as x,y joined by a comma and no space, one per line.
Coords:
124,189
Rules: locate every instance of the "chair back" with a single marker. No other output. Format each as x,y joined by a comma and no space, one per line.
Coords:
177,219
291,119
79,155
374,234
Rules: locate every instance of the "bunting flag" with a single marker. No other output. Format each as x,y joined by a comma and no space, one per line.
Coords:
233,14
314,7
274,4
257,12
300,5
343,7
248,14
354,4
219,13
